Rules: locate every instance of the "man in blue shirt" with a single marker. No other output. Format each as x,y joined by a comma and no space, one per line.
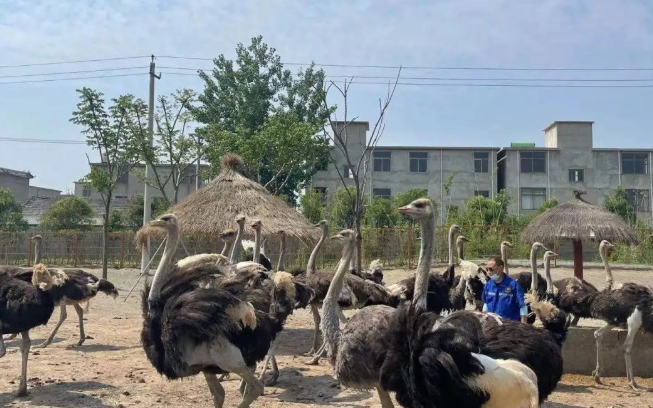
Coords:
502,294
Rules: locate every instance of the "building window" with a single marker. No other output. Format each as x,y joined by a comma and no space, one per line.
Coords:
381,161
381,193
634,163
532,198
533,162
418,162
322,165
323,193
639,199
87,191
482,193
481,162
576,175
123,179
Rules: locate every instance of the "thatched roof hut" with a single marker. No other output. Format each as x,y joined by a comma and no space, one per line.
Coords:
214,207
579,221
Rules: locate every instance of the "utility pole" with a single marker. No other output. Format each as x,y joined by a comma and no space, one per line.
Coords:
147,198
197,164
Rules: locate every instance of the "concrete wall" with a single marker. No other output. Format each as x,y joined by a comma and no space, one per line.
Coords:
19,186
43,192
579,353
134,186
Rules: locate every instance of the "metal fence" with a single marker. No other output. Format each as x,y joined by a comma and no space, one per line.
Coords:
394,246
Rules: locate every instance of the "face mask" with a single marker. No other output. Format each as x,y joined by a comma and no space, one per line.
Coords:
495,277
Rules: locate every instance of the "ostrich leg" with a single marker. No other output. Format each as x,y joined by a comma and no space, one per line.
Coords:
598,336
62,317
386,402
216,389
80,314
3,349
634,323
316,333
24,352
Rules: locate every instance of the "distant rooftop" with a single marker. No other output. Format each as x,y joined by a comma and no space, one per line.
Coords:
560,122
16,173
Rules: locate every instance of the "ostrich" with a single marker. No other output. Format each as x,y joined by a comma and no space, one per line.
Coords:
504,255
23,306
431,362
439,284
227,236
257,255
234,258
467,290
628,304
566,302
79,287
357,292
531,281
460,243
282,250
189,329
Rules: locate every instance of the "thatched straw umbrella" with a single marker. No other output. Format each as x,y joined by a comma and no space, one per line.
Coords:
579,221
213,208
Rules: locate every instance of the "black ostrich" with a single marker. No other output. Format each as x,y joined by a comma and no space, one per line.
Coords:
79,287
23,306
628,304
190,329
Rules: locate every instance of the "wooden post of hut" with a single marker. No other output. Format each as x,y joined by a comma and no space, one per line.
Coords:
578,259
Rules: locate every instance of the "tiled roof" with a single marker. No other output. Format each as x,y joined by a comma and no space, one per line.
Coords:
16,173
36,206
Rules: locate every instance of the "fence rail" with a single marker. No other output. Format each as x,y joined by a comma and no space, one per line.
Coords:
394,246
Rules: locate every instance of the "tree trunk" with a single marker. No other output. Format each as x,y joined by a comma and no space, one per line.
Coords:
105,238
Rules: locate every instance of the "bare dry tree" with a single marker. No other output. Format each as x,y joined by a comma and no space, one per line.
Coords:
358,167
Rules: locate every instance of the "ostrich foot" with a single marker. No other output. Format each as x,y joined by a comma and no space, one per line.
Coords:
80,342
223,377
42,345
314,361
597,377
633,385
310,352
272,380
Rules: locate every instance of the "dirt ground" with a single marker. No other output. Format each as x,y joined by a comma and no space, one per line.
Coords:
110,369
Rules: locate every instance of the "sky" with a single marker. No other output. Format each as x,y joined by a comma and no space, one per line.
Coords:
439,33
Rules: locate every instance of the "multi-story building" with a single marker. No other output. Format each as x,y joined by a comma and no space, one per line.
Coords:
17,182
530,175
131,184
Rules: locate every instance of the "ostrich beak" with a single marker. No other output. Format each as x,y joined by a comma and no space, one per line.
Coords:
407,209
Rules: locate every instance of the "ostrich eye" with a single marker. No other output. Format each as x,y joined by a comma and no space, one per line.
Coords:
419,205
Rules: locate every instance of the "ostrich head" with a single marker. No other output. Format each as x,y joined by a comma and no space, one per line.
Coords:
166,221
240,219
605,247
256,225
538,245
37,238
345,236
284,295
507,244
323,224
455,228
550,255
420,209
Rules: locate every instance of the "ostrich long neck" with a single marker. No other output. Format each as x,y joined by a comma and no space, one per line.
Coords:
609,280
37,251
330,318
547,273
282,250
534,268
451,242
504,258
427,229
459,248
310,267
225,248
257,244
164,268
235,250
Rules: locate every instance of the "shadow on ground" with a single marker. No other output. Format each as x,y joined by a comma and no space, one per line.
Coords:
64,394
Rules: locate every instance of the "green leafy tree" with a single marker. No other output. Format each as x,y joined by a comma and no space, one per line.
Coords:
71,213
381,213
110,132
133,217
312,205
480,210
341,208
618,203
117,221
11,213
173,145
254,107
550,203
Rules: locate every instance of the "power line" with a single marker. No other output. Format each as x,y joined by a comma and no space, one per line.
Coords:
454,79
45,141
460,84
72,72
39,64
71,79
444,68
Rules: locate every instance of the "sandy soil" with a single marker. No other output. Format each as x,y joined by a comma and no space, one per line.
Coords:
110,369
